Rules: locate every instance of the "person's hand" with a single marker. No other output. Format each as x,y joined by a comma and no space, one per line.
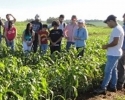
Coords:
29,43
53,44
43,39
76,38
67,38
104,46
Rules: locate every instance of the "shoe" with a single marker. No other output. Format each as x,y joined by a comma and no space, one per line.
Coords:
112,89
119,88
100,91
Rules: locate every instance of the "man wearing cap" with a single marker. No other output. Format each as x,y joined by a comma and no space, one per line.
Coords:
69,32
121,64
114,52
37,26
80,36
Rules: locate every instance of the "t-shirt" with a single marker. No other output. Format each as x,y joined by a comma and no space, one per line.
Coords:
11,33
27,37
62,26
55,35
43,35
36,26
116,50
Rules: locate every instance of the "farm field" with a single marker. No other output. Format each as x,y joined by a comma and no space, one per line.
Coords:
61,76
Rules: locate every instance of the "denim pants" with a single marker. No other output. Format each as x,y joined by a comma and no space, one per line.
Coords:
68,45
44,48
11,44
110,72
121,70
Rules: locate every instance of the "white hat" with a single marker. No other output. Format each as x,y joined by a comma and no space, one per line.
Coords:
81,21
37,16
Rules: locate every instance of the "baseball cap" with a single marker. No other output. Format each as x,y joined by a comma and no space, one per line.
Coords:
61,16
110,17
81,21
37,16
74,17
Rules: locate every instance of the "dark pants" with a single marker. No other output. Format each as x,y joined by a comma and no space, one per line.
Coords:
68,45
35,43
55,48
80,51
121,70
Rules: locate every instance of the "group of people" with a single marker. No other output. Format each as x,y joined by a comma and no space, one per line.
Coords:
37,34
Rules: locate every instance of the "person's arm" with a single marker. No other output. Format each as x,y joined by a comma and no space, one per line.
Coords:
40,26
61,36
112,44
33,37
65,31
23,39
85,35
39,39
14,19
1,22
75,35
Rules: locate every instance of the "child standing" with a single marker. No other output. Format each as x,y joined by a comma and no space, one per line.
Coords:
10,35
43,38
80,36
55,37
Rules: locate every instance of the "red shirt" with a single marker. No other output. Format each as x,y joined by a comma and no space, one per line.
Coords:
11,34
43,34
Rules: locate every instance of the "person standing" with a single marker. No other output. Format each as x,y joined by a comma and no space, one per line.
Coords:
28,38
114,52
10,35
37,26
43,39
7,22
69,32
1,24
121,64
55,37
80,36
62,24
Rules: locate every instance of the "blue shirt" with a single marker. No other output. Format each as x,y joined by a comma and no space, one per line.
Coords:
123,47
81,33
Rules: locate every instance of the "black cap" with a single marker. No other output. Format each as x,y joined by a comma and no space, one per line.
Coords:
55,23
61,16
110,17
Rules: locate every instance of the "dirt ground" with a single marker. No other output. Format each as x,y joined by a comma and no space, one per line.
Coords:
108,96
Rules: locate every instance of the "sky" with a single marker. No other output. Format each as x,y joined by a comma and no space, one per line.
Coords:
83,9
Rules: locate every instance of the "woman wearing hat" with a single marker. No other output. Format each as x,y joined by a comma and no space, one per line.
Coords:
80,36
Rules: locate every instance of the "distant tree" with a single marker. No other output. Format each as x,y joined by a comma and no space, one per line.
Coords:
51,19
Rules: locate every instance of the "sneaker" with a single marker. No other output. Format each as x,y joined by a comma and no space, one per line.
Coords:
119,88
100,91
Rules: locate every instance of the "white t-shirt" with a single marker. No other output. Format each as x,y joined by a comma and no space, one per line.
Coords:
116,50
62,26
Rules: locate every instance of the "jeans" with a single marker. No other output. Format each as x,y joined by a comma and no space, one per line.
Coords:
35,43
121,70
80,52
110,72
68,45
44,48
11,44
55,48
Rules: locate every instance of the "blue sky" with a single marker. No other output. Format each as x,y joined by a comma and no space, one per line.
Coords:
84,9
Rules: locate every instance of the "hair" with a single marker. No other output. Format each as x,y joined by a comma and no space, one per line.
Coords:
74,16
45,26
61,16
55,23
10,24
27,29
